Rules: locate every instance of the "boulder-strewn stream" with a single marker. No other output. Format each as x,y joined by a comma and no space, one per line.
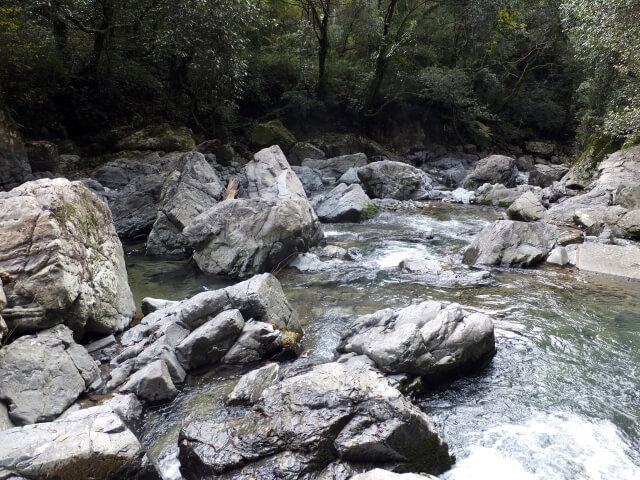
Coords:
558,401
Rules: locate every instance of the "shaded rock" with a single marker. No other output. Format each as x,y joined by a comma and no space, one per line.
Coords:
524,163
164,137
543,175
251,385
243,237
335,167
492,170
302,150
5,421
310,179
308,420
628,197
149,305
510,243
152,383
258,340
396,180
43,156
526,208
612,260
558,256
58,243
135,207
43,374
208,343
338,144
430,339
69,163
543,149
350,177
90,443
344,204
596,219
271,133
271,178
185,195
570,236
14,163
630,224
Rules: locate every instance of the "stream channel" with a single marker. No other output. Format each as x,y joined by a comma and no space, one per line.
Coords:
561,398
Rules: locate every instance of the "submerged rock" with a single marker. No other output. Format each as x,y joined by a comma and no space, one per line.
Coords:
430,339
43,374
396,180
344,204
302,423
511,243
59,246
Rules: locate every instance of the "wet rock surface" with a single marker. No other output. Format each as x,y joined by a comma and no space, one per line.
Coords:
344,204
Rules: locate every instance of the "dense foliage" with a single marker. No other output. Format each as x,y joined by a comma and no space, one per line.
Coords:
480,71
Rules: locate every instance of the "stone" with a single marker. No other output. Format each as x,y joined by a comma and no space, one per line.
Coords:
350,177
558,256
43,156
152,383
164,137
570,236
14,162
257,341
43,374
271,178
419,265
243,237
335,167
310,179
540,148
251,385
306,421
594,220
563,213
396,180
500,196
344,204
90,443
5,421
135,206
149,305
68,163
630,224
379,474
207,344
543,175
619,170
59,245
611,260
628,197
526,208
431,339
511,243
186,193
493,169
271,133
303,150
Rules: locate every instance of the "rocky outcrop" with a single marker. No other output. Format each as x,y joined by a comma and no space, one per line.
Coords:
333,168
240,324
60,249
14,163
396,180
501,196
164,137
543,175
431,339
492,170
186,193
527,208
344,204
306,421
611,260
242,237
91,443
511,243
43,374
271,133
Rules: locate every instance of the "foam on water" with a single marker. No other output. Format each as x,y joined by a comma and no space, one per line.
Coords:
549,447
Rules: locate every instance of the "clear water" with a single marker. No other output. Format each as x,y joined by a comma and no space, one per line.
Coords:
560,400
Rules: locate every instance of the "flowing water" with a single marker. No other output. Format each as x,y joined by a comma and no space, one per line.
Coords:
560,400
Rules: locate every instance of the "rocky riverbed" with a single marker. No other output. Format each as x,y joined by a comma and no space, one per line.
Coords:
323,321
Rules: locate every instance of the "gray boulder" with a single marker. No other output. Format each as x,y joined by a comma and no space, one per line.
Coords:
543,175
90,443
350,177
135,206
337,166
43,374
630,224
492,170
308,420
14,163
303,150
594,220
620,169
152,383
271,178
628,197
396,180
344,204
430,339
185,194
257,341
511,243
310,179
526,208
610,260
58,244
501,196
251,385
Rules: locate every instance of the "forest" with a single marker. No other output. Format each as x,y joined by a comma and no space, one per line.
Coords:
486,72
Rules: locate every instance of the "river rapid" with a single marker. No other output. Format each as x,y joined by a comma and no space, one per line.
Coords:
560,400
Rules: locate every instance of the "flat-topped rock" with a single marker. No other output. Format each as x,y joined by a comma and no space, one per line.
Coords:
612,260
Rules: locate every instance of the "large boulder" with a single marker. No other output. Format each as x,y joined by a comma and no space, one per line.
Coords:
14,162
271,178
611,260
630,224
306,421
493,169
302,150
66,264
542,175
501,196
397,180
91,443
186,193
430,339
620,169
271,133
310,179
43,374
335,167
164,137
527,208
511,243
344,204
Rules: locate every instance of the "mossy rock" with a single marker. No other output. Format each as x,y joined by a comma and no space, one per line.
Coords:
369,212
271,133
164,137
583,171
